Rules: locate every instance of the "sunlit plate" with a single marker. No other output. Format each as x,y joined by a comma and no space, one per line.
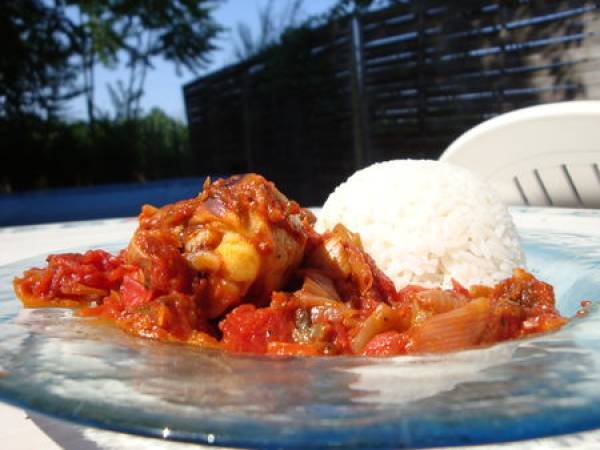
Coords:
64,366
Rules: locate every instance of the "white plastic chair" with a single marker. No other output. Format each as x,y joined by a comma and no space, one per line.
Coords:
547,155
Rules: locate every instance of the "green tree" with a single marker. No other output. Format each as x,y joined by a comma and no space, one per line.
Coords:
35,71
51,50
104,32
162,145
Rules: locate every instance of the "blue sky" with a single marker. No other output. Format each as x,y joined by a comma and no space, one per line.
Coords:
163,86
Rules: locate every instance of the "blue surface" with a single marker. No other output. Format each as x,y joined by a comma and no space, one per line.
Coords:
114,200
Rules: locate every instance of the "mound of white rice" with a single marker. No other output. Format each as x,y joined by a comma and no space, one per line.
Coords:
426,222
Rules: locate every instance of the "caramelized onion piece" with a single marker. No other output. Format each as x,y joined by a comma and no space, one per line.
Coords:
457,329
384,318
318,290
316,283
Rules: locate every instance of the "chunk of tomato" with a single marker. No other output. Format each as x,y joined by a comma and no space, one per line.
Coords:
250,329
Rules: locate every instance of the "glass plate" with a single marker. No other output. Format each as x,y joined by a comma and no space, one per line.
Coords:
97,375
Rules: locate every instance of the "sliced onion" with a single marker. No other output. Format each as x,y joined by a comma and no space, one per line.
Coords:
384,318
457,329
318,290
320,285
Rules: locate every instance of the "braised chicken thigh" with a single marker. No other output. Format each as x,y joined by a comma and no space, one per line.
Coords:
242,235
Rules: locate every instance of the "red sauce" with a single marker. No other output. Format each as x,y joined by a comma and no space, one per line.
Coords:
328,297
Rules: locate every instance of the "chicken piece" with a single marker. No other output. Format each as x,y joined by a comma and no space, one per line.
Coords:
157,244
359,281
240,234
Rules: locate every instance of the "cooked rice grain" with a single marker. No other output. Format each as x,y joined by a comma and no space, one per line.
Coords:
426,222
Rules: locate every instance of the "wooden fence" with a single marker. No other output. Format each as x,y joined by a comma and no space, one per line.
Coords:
399,82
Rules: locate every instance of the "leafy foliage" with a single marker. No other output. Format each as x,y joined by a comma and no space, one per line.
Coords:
50,53
52,49
180,31
51,153
35,72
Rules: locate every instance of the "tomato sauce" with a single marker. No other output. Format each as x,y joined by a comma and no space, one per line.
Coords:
184,278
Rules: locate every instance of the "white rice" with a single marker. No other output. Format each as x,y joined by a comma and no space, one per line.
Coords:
426,222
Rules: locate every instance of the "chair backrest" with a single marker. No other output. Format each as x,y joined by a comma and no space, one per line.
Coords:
547,155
